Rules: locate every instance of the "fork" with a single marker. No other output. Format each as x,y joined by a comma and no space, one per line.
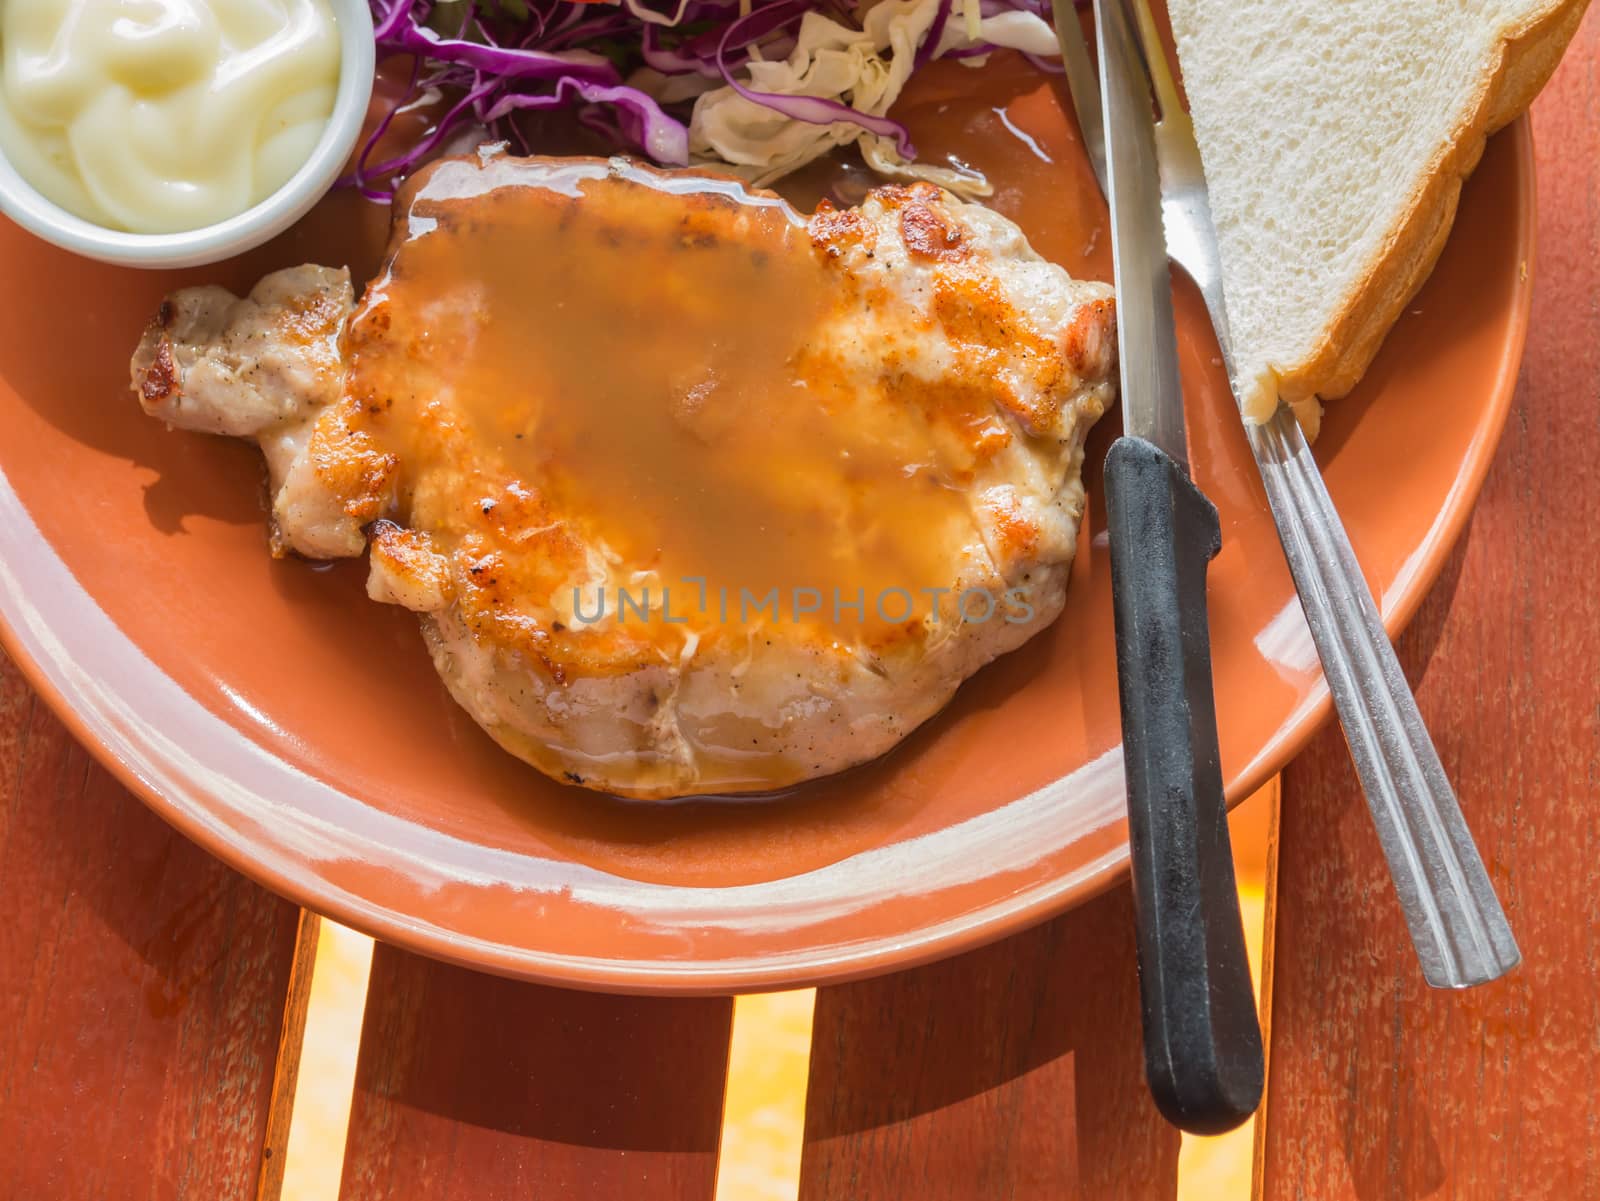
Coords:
1460,932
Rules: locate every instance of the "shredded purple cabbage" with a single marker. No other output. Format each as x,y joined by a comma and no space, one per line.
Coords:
486,61
814,110
941,18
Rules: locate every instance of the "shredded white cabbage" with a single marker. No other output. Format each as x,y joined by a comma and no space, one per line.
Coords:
864,68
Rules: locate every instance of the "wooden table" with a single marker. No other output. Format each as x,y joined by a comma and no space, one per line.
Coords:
151,998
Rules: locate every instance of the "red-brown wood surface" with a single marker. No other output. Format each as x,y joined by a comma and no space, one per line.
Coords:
143,986
1380,1087
1012,1071
476,1088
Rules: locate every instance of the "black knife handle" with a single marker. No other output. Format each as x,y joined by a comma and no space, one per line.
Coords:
1202,1038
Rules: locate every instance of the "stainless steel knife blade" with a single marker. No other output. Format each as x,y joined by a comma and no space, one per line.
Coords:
1083,82
1152,397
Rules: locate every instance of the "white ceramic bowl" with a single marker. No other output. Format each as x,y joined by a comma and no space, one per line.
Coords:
25,206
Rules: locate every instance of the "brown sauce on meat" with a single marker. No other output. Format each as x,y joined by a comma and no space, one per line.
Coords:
1014,124
653,368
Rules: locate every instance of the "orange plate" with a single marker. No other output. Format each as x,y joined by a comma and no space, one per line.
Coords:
273,714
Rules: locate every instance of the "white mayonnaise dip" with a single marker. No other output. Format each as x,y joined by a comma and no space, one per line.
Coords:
157,116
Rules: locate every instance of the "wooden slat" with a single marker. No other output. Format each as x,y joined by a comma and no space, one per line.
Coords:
475,1088
1012,1071
1380,1087
143,986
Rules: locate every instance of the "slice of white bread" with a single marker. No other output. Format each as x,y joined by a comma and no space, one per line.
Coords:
1335,136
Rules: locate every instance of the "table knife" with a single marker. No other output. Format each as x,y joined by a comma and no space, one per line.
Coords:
1202,1038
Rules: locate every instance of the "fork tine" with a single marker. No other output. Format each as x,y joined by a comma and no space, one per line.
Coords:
1155,60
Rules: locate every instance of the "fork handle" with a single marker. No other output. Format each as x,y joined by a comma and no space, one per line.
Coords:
1202,1040
1461,934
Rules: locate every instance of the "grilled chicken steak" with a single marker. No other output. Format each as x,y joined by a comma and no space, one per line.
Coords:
692,494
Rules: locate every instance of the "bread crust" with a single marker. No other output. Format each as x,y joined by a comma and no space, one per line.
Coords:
1404,260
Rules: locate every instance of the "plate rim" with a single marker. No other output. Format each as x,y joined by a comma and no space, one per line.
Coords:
840,962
